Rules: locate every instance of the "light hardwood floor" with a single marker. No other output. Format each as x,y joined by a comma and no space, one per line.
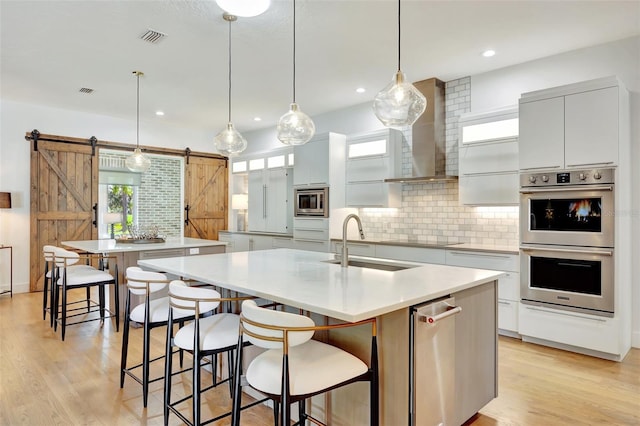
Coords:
44,381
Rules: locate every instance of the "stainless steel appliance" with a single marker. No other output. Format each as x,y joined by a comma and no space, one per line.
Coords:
312,202
567,240
432,363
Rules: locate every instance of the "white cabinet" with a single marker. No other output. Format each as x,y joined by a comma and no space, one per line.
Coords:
318,160
411,254
508,285
311,234
488,158
372,158
354,249
572,126
250,242
270,200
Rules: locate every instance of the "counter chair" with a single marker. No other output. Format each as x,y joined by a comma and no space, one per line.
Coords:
51,276
210,334
294,367
70,276
151,314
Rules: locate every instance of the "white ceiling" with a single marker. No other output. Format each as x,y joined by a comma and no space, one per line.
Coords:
51,49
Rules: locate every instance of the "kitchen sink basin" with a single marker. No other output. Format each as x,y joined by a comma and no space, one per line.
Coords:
373,265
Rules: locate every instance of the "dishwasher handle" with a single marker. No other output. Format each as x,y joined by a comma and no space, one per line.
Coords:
432,319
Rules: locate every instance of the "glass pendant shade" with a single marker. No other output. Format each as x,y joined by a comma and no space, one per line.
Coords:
244,8
295,127
399,104
138,162
230,142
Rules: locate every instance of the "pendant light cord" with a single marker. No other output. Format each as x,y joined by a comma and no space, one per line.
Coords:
398,35
138,110
294,51
229,71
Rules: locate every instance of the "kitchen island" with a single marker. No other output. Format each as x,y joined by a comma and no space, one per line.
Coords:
383,289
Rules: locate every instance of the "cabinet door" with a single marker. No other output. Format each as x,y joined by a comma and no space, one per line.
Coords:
542,134
312,163
256,201
490,189
591,128
277,206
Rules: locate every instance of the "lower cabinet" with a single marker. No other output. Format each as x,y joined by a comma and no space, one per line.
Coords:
508,285
250,242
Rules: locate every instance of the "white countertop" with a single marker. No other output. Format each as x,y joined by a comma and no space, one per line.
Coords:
301,279
110,246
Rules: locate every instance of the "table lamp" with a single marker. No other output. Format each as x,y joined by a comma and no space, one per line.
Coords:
111,219
240,202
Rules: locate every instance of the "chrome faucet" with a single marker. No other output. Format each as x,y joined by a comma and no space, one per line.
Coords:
345,253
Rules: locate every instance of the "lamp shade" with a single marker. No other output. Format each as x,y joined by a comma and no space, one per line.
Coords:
5,200
239,201
244,8
399,104
114,217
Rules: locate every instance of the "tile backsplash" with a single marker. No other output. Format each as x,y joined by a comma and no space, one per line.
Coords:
430,213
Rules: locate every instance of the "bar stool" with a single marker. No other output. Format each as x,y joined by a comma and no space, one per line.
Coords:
151,314
209,335
82,276
294,367
50,277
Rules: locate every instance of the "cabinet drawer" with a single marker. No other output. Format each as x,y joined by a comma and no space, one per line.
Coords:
412,254
509,286
311,223
570,328
355,249
280,242
158,254
311,245
311,234
508,315
482,260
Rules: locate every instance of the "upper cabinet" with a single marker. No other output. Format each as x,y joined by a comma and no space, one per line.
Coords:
488,158
571,126
317,161
372,158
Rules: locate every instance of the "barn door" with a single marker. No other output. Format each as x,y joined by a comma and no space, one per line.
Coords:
64,196
205,189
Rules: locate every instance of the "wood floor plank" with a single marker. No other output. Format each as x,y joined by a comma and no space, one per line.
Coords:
44,381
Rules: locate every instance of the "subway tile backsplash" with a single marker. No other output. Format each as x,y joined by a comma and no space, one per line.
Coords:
430,213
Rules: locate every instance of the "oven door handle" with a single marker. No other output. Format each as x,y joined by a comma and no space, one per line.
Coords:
562,250
566,189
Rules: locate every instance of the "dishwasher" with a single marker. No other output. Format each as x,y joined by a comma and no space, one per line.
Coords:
432,363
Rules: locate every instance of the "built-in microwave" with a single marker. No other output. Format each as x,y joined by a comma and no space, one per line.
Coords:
311,202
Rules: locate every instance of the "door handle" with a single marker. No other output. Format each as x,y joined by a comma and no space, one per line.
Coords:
432,319
95,215
186,210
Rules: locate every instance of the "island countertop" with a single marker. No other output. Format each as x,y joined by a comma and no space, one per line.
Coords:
304,279
110,245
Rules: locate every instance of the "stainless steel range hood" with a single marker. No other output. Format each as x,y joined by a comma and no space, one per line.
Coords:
428,142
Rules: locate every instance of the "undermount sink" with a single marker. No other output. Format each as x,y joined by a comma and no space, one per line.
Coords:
373,265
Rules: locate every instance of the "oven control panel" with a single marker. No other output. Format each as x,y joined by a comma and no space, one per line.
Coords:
567,177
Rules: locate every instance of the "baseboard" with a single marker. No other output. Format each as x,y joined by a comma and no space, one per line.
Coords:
635,339
571,348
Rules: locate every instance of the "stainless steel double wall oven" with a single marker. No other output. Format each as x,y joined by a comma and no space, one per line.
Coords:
567,240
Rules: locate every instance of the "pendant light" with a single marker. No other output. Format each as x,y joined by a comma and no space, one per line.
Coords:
229,141
295,127
399,104
138,162
244,8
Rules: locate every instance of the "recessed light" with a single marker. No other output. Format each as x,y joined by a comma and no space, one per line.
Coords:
488,53
257,119
361,90
159,113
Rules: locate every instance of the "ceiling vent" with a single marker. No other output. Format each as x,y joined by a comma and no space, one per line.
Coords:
86,90
152,36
